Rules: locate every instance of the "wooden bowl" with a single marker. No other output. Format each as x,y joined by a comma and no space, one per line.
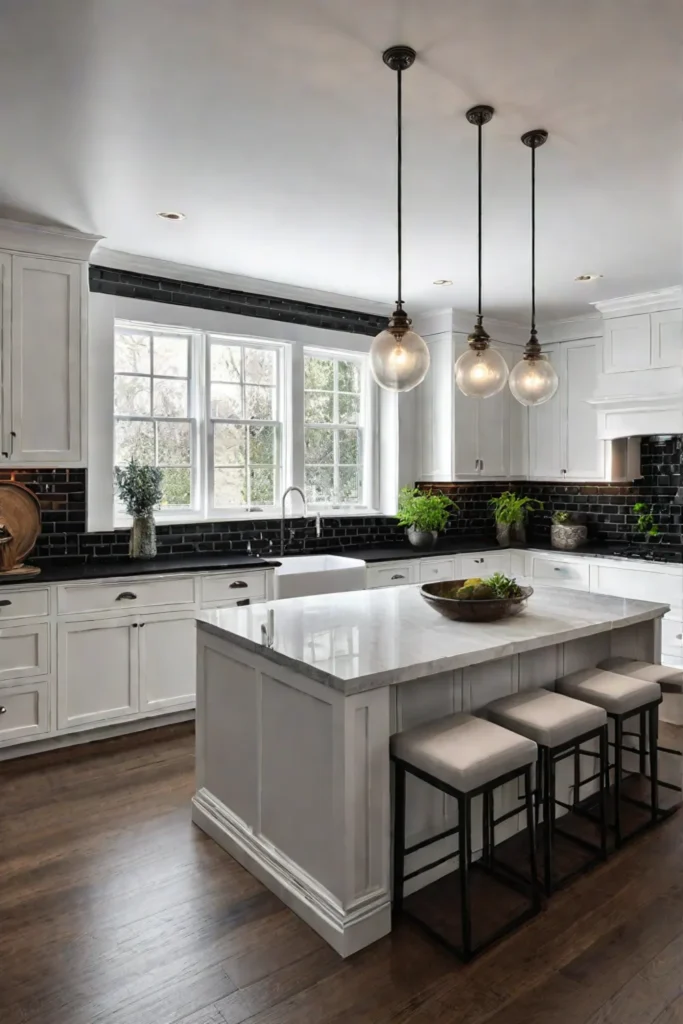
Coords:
442,596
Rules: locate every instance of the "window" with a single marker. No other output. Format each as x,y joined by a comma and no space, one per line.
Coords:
333,431
231,421
154,421
245,424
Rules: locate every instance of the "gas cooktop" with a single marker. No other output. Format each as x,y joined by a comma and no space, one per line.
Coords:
654,554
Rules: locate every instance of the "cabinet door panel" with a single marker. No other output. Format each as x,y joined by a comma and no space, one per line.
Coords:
24,651
464,424
168,662
45,356
627,343
667,337
5,354
97,671
583,457
544,431
475,566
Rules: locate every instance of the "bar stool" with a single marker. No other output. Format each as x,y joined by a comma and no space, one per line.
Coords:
464,757
558,725
671,682
622,697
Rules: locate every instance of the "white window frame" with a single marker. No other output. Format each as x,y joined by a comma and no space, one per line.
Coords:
216,512
291,413
194,415
367,427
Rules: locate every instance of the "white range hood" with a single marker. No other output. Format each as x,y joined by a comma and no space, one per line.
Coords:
639,415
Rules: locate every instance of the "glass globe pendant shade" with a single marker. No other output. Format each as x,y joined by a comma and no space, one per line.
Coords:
399,358
481,373
533,381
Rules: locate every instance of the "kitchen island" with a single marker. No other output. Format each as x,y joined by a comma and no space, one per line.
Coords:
296,702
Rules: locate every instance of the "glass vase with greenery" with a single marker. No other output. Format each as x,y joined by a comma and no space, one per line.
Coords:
140,491
425,514
510,511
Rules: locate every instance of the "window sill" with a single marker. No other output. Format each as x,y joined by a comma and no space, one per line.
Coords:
240,517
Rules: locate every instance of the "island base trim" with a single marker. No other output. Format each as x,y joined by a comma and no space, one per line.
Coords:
347,931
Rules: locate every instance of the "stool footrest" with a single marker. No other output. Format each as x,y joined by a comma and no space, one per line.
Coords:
432,839
427,867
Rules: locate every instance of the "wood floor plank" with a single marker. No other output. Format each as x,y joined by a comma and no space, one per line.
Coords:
115,909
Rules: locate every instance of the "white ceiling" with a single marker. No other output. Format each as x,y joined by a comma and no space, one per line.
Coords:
270,123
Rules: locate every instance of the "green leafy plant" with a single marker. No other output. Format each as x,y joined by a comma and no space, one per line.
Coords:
502,586
424,511
512,508
646,522
139,488
562,518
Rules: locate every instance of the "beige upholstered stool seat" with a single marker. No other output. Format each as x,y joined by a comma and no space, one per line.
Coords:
617,694
463,751
670,679
549,719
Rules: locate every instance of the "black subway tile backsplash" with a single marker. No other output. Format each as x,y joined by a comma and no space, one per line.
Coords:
607,508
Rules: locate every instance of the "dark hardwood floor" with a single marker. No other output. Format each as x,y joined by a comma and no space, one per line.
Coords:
114,909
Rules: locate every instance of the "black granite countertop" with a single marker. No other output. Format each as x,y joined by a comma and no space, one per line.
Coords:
111,568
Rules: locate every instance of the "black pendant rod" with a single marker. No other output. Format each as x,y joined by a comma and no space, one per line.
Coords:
533,140
479,116
399,59
399,186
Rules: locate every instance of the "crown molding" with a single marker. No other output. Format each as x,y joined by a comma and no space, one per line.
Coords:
117,260
40,240
642,302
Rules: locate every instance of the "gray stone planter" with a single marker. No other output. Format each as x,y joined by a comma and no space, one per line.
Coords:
510,533
423,540
568,536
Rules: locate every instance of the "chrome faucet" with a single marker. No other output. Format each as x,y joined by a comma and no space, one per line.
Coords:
282,521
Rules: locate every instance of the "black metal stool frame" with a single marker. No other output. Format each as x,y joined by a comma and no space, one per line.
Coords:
464,831
548,757
648,717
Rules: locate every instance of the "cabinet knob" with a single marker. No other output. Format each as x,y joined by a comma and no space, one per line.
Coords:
3,710
397,576
5,603
679,636
237,583
127,595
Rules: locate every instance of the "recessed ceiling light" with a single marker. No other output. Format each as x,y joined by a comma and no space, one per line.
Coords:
171,215
587,277
442,280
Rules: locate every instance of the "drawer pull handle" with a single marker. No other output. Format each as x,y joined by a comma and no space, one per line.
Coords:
246,601
398,576
5,603
127,595
679,636
237,583
3,710
557,569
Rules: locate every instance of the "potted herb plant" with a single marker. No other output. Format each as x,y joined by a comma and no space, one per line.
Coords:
566,533
510,511
645,523
424,514
140,491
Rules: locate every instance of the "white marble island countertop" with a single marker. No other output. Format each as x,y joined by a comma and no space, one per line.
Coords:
366,639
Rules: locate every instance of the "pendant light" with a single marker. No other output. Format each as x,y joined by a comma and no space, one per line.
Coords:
481,371
533,380
399,358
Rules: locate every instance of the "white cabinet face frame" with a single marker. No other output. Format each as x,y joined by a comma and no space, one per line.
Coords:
5,353
46,382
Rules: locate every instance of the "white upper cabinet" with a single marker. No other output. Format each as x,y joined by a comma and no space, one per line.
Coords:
468,438
42,392
643,341
563,432
43,343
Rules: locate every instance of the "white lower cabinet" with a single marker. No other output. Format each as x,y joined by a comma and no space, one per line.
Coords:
393,574
559,572
432,569
97,671
167,661
24,651
24,711
484,563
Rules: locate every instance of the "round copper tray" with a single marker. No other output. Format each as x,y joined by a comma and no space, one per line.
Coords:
442,596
